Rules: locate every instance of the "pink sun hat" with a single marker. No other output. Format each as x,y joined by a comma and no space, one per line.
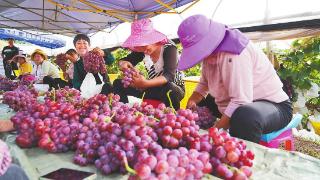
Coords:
143,34
199,37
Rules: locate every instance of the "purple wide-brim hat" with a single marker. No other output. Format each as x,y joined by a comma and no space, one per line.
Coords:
143,34
199,37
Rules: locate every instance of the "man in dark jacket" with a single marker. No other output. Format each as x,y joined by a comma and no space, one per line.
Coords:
8,52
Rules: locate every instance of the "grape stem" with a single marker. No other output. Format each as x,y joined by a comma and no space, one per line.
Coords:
128,168
108,119
207,176
232,168
168,95
144,93
54,95
110,101
139,113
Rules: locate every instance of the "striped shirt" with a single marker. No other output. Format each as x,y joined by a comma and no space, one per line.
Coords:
165,66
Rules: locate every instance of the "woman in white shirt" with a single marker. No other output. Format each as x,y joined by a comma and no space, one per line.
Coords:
45,71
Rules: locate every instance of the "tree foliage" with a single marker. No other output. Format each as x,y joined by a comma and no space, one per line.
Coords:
301,63
119,54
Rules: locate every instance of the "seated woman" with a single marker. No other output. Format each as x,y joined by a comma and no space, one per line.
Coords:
239,76
25,66
82,44
45,71
160,57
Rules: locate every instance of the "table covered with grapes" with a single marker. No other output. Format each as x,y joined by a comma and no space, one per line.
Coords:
130,132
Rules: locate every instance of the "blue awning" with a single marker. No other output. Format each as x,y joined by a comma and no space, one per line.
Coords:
69,17
32,38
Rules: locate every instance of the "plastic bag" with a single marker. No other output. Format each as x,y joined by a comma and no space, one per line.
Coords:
89,87
313,92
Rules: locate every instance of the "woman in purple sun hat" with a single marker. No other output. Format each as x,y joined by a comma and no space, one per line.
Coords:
243,83
160,57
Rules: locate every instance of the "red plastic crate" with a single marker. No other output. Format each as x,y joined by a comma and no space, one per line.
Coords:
152,102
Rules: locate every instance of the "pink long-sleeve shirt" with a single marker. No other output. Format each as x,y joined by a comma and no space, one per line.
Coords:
234,80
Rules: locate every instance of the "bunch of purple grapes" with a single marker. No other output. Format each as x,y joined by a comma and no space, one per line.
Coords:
94,63
88,142
123,138
24,123
7,84
61,135
43,119
61,61
99,104
205,118
128,74
20,99
177,130
172,164
229,157
28,79
66,94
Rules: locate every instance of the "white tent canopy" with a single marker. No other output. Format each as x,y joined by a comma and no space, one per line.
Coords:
234,13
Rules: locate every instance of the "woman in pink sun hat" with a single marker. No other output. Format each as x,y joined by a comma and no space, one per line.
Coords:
160,57
246,89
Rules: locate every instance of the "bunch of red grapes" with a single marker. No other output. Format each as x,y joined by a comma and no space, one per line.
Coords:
61,61
66,94
50,123
94,63
172,164
229,157
178,130
100,104
128,74
205,118
20,99
7,84
28,79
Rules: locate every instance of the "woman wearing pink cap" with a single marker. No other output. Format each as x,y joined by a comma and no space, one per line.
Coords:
160,58
243,82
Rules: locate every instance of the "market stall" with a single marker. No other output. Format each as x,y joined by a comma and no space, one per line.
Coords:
100,134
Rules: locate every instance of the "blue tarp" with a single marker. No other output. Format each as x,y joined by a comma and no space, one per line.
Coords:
69,17
31,38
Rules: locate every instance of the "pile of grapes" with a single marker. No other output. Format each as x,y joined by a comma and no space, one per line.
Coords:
146,142
22,98
94,63
7,84
51,125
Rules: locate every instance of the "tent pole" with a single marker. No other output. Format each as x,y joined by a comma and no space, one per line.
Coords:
268,43
135,17
189,6
166,5
42,14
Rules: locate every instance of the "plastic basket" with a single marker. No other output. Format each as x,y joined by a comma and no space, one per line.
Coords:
190,86
316,126
113,77
153,102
